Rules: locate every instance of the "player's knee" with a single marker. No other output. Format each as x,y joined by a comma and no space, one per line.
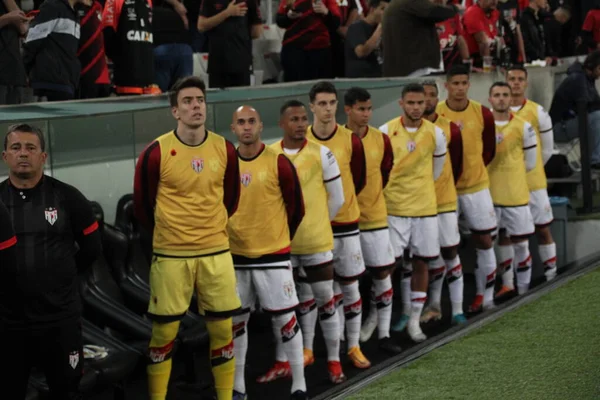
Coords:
287,325
483,241
162,341
544,235
449,253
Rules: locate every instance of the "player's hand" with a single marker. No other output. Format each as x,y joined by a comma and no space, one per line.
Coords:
320,8
236,10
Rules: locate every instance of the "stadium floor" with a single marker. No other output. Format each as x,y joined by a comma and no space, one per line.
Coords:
261,356
548,349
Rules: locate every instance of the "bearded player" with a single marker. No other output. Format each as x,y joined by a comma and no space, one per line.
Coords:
347,254
515,156
539,203
419,156
270,210
312,246
474,200
448,264
374,233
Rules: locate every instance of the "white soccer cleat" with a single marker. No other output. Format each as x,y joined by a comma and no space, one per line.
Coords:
415,333
368,327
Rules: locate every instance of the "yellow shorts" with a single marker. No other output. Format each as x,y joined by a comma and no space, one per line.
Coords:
173,280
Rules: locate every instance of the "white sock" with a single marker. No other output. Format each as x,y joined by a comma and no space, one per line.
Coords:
352,313
454,276
548,257
339,305
405,287
418,300
307,313
373,303
328,318
486,274
437,271
240,348
287,331
384,296
523,258
506,256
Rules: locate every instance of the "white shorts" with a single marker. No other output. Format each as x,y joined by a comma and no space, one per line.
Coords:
478,210
448,229
540,207
274,288
421,234
311,260
516,220
377,248
347,256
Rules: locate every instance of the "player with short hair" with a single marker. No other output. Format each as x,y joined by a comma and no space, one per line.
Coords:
312,245
539,203
448,264
419,156
347,254
516,154
270,209
374,233
187,185
476,124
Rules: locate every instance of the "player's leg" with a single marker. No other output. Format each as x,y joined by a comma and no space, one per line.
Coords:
307,312
424,244
171,288
247,294
218,301
478,210
505,254
370,322
541,211
520,227
399,228
348,268
277,295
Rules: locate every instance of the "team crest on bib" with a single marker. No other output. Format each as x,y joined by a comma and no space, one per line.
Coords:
460,125
499,137
288,289
198,164
411,146
73,359
51,215
246,178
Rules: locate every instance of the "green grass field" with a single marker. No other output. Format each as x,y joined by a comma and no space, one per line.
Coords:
549,349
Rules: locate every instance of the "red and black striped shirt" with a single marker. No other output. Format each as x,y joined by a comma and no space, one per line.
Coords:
91,46
311,30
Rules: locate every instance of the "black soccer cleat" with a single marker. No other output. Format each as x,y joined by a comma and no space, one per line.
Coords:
299,395
389,345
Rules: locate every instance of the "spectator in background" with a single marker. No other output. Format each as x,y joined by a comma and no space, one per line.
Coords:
306,46
557,24
128,41
481,30
590,31
579,85
534,37
13,25
452,42
94,80
411,45
173,55
509,30
348,14
230,27
363,43
197,38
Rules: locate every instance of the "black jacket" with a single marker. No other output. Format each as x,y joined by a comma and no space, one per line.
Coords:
534,37
576,86
50,49
12,72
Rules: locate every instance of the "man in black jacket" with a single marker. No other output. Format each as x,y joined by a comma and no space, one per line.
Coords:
50,50
57,235
13,25
534,37
579,85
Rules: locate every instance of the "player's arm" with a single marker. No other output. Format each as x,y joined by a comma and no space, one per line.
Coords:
8,239
488,136
529,146
387,162
145,185
546,134
231,180
456,151
84,227
291,192
333,182
358,164
439,155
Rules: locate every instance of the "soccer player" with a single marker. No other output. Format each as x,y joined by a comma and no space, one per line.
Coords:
515,156
539,203
187,185
270,210
476,124
448,264
56,237
374,233
313,243
419,156
347,255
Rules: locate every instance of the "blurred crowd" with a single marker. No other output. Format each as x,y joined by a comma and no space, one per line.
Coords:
78,49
